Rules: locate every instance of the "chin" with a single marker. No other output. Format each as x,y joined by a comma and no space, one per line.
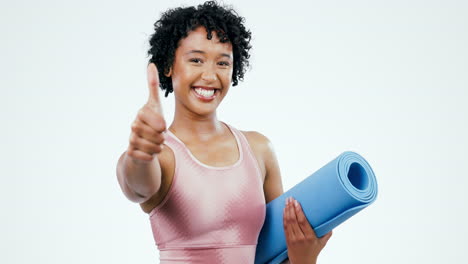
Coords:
205,110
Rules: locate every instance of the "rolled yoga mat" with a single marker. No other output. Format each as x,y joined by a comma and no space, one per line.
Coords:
328,197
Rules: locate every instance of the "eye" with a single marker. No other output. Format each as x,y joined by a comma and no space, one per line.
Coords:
224,63
196,60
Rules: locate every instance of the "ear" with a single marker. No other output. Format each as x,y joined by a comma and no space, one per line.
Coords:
167,72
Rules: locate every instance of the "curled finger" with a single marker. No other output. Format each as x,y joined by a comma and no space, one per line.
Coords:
287,220
294,222
304,224
145,131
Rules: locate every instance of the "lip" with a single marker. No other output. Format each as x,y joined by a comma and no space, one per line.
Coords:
205,99
205,87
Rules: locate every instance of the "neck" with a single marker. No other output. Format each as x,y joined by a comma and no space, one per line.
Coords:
188,125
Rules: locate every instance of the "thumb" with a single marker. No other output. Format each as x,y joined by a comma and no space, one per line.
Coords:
153,84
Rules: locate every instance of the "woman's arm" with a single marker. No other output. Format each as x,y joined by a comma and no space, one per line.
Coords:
138,169
139,180
273,186
303,245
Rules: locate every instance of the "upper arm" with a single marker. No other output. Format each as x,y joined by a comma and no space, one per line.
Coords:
273,186
268,162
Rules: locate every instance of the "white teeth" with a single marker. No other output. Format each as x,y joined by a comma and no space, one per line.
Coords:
204,93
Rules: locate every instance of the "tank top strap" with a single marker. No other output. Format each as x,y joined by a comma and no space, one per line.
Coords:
246,153
173,142
240,137
246,148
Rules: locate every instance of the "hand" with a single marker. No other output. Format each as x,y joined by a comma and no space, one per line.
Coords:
146,138
303,245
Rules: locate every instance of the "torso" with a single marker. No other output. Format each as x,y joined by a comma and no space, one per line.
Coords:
207,154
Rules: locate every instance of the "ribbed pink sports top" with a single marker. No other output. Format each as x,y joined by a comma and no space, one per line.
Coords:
210,214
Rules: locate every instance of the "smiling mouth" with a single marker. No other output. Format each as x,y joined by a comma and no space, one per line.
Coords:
205,94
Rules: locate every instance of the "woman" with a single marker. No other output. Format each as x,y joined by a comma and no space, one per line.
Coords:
203,182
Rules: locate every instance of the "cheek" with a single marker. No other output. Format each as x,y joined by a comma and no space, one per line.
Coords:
181,76
226,76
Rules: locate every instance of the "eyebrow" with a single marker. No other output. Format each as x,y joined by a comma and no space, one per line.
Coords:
202,52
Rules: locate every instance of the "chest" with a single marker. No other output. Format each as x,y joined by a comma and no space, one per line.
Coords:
219,208
216,153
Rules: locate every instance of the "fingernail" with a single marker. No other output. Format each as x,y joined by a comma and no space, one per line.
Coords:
296,203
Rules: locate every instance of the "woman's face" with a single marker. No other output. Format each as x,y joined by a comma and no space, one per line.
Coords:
201,72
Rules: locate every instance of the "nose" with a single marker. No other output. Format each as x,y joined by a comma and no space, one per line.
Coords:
209,74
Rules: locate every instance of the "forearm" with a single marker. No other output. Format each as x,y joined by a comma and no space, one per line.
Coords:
139,180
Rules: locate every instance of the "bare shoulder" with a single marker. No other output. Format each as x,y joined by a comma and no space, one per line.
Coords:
260,144
257,140
261,147
266,156
167,163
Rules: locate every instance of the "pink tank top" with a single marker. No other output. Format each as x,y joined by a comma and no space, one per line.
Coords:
210,214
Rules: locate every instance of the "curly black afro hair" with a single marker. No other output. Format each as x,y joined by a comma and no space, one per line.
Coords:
175,24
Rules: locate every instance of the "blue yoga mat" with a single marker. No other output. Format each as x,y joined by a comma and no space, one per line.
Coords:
328,197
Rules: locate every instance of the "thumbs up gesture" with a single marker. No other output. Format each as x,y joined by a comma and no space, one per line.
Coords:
147,137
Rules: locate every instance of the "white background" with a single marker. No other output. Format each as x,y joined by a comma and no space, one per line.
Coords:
387,79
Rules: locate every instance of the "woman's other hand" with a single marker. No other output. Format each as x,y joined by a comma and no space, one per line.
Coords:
303,245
